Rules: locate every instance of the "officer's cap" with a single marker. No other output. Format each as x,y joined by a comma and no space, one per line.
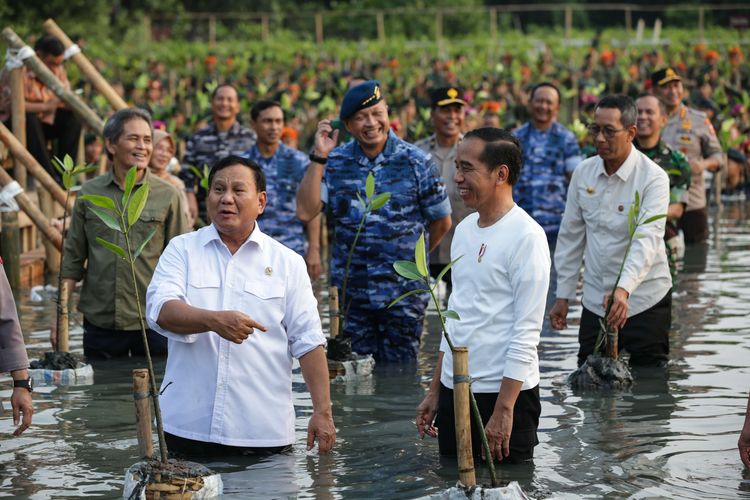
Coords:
444,96
664,76
359,97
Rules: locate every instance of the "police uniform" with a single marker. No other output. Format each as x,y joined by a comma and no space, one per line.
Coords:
284,171
390,233
549,156
677,167
207,146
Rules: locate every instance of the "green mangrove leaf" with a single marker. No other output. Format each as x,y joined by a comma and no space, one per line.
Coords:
107,218
129,184
88,169
144,243
59,166
637,202
380,200
407,269
100,201
362,202
370,185
407,294
68,163
75,189
67,179
446,269
420,256
452,315
653,218
137,203
111,247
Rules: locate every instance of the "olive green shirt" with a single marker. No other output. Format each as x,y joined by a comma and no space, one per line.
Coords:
107,297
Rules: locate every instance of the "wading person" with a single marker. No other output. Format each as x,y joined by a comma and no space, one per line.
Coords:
550,154
237,307
13,357
111,325
652,115
283,168
223,136
689,131
418,204
447,116
499,291
594,229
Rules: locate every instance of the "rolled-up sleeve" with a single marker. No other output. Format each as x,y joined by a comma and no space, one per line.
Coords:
434,202
301,318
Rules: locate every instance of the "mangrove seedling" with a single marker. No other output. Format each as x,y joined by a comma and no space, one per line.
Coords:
418,271
121,216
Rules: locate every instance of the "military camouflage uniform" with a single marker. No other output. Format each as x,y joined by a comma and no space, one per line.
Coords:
284,171
208,145
418,197
690,131
676,165
542,187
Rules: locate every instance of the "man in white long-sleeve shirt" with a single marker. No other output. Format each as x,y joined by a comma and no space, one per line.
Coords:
499,291
594,230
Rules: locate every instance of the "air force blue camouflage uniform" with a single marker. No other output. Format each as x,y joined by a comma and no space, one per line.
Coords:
284,171
418,197
542,187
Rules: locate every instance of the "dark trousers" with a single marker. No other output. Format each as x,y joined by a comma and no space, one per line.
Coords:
523,436
65,130
103,343
181,447
645,336
694,225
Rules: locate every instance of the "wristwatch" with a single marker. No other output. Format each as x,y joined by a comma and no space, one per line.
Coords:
318,159
27,384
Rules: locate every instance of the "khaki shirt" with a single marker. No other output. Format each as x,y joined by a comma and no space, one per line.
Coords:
690,131
447,164
108,297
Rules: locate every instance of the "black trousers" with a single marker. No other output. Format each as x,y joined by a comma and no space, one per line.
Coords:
103,343
181,447
694,225
64,132
523,436
645,336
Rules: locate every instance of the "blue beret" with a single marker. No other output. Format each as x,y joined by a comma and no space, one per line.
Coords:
359,97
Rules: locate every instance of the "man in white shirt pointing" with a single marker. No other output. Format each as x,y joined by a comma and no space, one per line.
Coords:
499,291
594,230
237,307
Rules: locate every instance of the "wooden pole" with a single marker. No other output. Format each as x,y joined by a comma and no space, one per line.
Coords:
30,209
100,84
463,417
612,347
142,412
20,153
10,247
333,307
319,27
50,80
63,344
18,113
380,20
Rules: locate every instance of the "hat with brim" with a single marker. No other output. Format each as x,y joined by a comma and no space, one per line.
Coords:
664,76
360,97
445,96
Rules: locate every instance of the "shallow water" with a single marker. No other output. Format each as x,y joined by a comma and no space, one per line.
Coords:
673,435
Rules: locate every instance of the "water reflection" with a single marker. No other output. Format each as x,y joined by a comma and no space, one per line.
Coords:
672,435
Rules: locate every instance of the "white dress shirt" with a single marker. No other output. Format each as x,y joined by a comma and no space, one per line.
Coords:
595,229
499,291
215,390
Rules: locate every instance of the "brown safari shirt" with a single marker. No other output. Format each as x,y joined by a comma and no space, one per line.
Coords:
108,297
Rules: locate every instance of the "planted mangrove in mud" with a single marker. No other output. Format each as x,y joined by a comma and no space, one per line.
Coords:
418,271
604,368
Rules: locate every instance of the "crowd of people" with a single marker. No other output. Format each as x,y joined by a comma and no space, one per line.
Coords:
236,212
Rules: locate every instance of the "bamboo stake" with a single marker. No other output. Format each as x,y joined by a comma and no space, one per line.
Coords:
463,418
333,307
50,80
142,413
612,347
63,344
20,153
10,247
88,69
33,212
18,113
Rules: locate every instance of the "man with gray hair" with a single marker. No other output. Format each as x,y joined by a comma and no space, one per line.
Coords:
594,229
111,326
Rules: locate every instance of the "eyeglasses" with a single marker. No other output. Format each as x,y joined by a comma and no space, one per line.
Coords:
608,132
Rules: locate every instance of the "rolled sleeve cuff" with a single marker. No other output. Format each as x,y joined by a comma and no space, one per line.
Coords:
565,291
152,314
516,370
435,212
628,284
306,342
324,193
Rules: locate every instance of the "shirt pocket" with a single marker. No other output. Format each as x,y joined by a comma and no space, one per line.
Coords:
264,300
588,201
203,288
151,220
619,212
